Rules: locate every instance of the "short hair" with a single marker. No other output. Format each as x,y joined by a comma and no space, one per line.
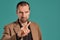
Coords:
23,3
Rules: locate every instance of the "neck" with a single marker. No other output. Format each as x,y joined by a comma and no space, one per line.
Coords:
23,24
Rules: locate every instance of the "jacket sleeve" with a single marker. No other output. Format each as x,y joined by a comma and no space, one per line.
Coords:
6,34
39,34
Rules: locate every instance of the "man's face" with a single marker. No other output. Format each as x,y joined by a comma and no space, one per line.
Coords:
23,13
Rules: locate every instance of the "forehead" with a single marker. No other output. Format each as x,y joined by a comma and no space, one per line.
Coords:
25,7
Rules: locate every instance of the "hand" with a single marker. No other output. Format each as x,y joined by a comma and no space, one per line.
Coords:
25,29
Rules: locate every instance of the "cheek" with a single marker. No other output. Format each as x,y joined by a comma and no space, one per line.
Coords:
19,15
28,15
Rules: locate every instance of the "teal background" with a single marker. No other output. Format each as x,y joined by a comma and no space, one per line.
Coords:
44,12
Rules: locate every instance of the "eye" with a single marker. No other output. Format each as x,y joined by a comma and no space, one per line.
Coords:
20,12
26,12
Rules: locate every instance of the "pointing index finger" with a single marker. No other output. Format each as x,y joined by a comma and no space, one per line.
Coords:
28,24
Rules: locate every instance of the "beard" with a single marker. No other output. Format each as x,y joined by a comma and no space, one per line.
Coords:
23,20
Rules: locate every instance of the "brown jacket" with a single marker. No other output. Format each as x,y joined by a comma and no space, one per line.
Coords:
9,33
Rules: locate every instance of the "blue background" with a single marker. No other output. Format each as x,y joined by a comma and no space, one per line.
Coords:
44,12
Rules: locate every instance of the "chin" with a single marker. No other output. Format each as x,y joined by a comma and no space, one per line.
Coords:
23,21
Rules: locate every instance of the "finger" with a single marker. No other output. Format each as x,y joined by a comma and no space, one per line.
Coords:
28,24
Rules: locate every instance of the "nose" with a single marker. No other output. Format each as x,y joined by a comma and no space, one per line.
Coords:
23,14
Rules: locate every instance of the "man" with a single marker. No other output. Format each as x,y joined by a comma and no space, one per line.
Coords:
22,29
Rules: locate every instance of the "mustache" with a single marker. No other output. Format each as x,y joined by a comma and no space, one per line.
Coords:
22,17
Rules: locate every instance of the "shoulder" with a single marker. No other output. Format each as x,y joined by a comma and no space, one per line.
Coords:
10,25
35,25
